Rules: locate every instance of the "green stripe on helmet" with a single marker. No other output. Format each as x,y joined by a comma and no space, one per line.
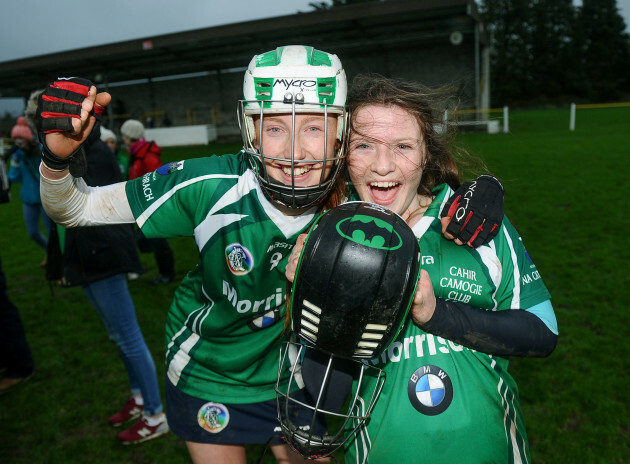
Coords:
314,57
326,89
320,58
271,58
263,87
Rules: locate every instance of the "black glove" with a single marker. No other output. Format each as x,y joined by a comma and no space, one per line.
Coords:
476,210
57,105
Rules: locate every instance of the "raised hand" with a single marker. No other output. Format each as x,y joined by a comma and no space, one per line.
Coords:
473,214
66,114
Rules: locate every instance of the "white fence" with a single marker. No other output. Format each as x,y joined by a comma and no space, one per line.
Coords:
182,135
491,126
575,107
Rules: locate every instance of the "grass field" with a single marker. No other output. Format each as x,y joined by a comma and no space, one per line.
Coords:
567,195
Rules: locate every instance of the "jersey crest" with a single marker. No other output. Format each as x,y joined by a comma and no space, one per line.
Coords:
213,417
239,259
170,167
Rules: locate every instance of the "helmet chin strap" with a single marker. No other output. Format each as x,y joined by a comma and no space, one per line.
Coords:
309,445
300,198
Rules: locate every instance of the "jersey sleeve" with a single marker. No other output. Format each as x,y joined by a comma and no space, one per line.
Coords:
521,286
172,200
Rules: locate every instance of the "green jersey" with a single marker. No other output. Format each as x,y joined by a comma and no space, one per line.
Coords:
443,402
224,326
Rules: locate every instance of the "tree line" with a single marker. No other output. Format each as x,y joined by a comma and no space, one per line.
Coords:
551,50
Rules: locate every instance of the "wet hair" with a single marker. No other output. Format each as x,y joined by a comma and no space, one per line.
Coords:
444,162
338,193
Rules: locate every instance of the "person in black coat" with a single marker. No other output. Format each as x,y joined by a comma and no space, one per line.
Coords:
95,253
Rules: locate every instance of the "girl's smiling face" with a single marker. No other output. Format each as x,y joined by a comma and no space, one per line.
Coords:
386,156
313,137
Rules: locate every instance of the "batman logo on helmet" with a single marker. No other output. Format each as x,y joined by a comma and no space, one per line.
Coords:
369,231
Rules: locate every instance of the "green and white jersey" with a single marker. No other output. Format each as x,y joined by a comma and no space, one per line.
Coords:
443,402
224,326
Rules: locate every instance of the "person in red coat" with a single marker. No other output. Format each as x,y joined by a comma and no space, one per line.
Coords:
144,158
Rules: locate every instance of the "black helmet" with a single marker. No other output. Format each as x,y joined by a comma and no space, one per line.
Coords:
355,280
353,288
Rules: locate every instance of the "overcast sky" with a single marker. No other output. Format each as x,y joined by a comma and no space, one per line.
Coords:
36,27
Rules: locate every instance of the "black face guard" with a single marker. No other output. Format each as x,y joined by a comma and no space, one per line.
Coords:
353,288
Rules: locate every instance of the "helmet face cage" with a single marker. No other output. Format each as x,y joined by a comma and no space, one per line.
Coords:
341,422
293,80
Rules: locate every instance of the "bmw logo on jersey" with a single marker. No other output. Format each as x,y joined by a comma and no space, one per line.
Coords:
264,321
430,390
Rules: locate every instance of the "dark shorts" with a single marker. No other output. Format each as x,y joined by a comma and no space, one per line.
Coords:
202,421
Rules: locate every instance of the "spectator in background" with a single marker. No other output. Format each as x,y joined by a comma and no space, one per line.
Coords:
144,158
99,259
109,137
15,354
5,185
25,169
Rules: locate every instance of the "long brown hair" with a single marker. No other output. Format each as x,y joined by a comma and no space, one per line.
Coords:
444,161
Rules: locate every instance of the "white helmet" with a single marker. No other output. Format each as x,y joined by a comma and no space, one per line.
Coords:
291,80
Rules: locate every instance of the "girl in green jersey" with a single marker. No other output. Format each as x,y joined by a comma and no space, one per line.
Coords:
447,396
224,326
245,211
447,391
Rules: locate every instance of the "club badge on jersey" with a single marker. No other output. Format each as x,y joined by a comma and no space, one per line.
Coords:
353,288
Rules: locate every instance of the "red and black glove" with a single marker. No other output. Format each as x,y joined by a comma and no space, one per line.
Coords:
59,103
476,210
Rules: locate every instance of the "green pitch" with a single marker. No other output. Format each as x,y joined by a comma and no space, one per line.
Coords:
566,193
